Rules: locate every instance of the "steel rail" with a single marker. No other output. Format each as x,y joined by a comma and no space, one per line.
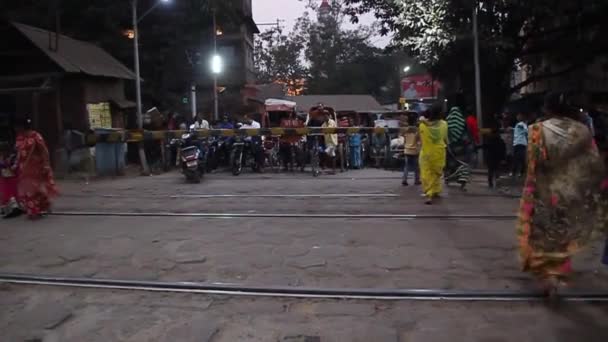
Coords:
296,292
285,215
245,196
205,196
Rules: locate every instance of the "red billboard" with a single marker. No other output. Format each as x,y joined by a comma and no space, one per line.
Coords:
417,87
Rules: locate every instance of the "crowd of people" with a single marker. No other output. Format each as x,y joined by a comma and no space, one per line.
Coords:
26,182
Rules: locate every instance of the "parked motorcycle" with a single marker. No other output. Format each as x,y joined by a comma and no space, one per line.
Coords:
245,152
192,157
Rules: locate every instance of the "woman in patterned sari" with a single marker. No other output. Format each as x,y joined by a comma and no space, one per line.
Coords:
36,185
563,200
457,168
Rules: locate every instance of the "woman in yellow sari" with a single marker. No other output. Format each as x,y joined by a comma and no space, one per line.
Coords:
434,137
564,197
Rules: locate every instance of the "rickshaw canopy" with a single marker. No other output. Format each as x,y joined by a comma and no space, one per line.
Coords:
277,105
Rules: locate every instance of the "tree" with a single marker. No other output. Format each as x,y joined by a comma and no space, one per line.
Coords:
278,58
538,35
333,59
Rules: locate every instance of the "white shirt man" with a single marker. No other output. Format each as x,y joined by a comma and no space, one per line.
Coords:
252,125
204,124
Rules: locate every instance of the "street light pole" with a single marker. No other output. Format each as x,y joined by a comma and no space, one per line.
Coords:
216,115
140,120
477,67
477,77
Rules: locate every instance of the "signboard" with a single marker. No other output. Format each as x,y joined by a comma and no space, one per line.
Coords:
417,87
100,115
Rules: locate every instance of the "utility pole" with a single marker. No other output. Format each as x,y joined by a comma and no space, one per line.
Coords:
478,107
193,98
140,121
216,115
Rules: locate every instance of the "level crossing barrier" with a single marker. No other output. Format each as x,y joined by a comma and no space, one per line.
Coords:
143,135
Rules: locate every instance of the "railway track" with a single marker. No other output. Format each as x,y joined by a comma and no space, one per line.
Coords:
219,196
298,292
211,215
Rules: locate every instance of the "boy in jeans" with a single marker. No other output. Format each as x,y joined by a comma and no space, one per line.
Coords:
411,151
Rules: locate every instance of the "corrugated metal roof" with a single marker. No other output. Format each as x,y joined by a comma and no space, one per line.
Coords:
340,103
76,56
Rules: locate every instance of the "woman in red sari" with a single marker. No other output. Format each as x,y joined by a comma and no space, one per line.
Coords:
36,185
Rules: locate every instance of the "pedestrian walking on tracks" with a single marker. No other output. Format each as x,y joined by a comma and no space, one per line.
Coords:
563,201
433,135
36,185
460,143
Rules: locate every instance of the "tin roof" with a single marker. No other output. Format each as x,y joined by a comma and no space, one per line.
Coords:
76,56
340,103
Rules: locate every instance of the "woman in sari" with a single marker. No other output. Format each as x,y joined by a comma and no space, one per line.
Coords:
36,185
433,136
563,199
458,169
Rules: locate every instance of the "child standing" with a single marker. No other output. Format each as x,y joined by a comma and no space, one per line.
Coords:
411,151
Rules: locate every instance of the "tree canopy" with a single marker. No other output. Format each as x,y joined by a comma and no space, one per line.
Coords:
331,58
547,37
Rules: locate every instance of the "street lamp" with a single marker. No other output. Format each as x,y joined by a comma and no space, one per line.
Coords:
406,69
216,64
216,69
140,120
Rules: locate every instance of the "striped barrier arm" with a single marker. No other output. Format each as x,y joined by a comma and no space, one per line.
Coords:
138,135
